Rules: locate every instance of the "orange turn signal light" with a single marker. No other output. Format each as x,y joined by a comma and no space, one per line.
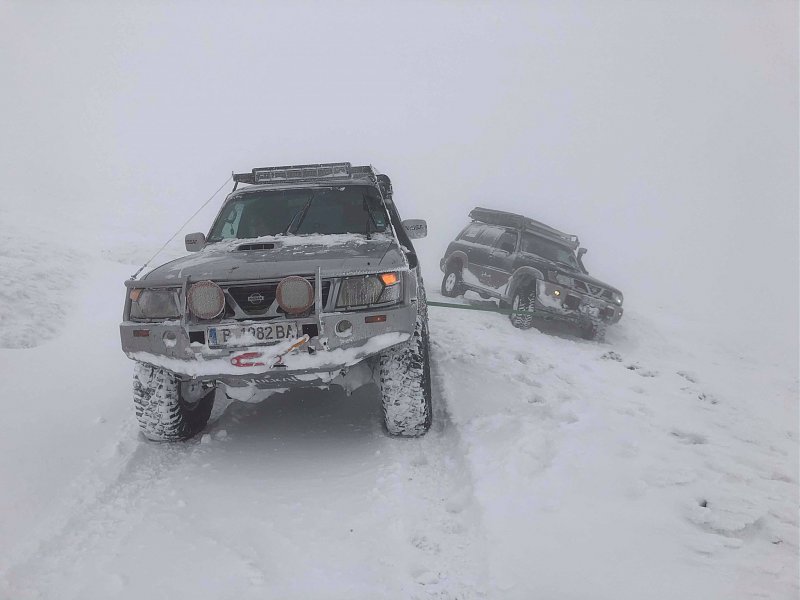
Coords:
375,319
135,293
389,278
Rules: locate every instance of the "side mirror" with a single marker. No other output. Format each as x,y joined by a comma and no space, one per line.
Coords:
195,241
416,228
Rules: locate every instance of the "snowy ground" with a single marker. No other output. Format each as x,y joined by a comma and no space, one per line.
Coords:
660,464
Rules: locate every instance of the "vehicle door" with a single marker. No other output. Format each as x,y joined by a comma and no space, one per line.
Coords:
467,242
500,263
482,255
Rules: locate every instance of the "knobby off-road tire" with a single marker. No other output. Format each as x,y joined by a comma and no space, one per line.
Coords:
405,383
524,299
163,414
452,282
593,331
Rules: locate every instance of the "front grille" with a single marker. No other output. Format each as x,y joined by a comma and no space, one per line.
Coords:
254,299
588,288
595,290
257,299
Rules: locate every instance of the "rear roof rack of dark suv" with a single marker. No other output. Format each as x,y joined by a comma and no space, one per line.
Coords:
507,219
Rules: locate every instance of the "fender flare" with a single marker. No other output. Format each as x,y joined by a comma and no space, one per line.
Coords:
520,276
457,256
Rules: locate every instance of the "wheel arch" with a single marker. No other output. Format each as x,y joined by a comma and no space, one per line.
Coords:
456,258
522,276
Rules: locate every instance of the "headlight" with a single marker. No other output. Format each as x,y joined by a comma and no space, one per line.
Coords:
617,297
359,292
295,295
206,299
154,304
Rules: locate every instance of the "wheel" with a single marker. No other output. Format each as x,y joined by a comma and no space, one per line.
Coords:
593,331
452,283
484,295
405,383
167,409
524,300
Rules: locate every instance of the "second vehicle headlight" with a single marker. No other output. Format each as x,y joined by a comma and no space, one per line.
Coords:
367,290
154,304
617,297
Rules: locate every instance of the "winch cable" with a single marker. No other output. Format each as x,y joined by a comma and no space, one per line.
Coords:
197,212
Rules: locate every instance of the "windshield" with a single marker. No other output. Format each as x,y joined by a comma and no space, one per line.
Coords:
549,250
346,209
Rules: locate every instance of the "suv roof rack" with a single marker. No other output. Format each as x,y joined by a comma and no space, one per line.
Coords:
507,219
300,173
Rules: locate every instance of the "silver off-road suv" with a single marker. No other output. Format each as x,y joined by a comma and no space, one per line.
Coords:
307,278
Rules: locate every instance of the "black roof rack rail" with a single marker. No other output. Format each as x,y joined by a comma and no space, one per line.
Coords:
507,219
301,173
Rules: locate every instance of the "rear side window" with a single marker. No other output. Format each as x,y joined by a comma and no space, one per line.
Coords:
507,242
489,235
471,233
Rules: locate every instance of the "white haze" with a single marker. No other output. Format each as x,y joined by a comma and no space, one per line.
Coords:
664,133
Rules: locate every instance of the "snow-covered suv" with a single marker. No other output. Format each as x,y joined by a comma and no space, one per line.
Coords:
535,269
308,277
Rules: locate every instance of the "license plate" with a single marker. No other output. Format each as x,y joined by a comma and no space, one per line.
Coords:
251,335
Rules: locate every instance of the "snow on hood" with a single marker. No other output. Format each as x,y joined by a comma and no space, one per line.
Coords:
294,254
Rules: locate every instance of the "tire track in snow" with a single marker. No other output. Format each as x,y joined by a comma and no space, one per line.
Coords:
301,495
96,511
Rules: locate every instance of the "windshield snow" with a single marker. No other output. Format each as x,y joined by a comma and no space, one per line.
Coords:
346,209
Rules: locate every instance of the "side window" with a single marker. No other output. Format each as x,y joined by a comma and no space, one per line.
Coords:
531,245
507,242
471,233
489,236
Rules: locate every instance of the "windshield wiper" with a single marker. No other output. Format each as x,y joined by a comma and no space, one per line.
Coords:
299,216
370,217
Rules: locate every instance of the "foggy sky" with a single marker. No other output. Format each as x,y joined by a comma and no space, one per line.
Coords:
665,134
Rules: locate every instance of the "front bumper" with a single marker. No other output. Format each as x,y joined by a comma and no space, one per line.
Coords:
565,304
176,346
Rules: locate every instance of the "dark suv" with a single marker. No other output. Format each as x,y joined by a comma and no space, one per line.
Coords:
530,267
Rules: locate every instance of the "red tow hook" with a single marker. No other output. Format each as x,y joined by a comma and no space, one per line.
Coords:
247,359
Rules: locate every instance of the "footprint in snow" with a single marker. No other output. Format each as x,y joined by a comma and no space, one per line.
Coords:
611,355
705,397
690,377
641,372
688,437
423,543
702,396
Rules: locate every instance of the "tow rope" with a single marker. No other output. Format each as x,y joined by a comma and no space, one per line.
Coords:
495,309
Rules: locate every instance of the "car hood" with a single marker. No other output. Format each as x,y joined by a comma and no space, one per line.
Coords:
278,256
588,279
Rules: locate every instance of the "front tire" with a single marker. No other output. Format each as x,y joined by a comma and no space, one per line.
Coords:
593,331
168,411
405,384
524,300
452,282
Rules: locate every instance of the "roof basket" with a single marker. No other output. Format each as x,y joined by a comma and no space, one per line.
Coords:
507,219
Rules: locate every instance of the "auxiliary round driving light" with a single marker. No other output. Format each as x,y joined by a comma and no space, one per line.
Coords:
206,299
295,295
344,328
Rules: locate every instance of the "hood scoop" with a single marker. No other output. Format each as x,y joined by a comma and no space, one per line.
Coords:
256,246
